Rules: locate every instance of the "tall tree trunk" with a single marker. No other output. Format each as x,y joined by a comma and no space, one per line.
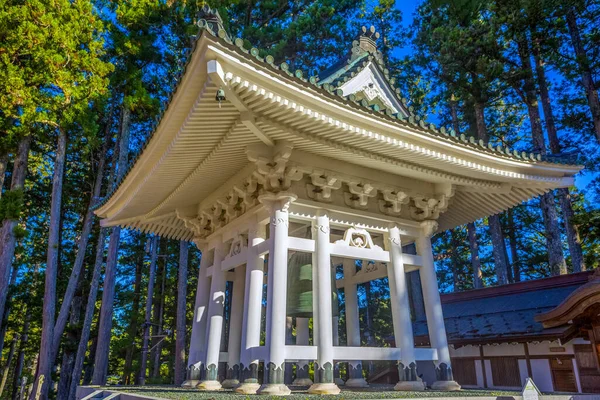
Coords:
181,312
45,362
455,259
148,312
472,232
90,307
8,239
82,244
3,165
368,315
133,323
583,62
564,196
17,381
4,321
78,367
509,269
6,369
159,323
475,261
88,369
498,245
498,249
573,238
479,110
556,258
68,361
108,292
512,240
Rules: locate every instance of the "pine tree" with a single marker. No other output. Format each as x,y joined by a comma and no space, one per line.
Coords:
181,313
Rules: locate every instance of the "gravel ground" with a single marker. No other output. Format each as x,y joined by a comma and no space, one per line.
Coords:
374,392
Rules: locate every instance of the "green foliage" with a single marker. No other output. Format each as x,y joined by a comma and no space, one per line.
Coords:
308,34
51,67
11,204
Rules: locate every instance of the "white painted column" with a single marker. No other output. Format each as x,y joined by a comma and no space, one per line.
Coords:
302,339
433,309
198,337
324,365
355,375
336,342
276,293
235,329
403,332
214,328
252,309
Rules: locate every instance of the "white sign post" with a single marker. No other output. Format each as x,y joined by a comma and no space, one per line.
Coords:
530,391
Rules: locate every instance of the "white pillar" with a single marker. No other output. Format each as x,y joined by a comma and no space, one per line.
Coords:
214,327
252,309
403,332
235,329
336,342
324,365
276,292
302,339
198,337
433,309
355,375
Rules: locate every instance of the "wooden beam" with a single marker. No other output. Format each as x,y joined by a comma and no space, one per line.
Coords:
217,75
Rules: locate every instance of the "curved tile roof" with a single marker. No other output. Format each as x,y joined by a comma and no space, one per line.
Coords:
210,26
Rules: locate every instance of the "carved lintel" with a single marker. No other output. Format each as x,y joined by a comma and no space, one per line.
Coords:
368,267
239,243
358,237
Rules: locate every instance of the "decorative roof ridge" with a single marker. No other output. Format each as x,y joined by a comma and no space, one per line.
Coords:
210,21
413,121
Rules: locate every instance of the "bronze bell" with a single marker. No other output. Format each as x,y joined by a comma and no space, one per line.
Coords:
300,287
220,96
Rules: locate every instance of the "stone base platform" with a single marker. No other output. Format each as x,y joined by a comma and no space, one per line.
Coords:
300,393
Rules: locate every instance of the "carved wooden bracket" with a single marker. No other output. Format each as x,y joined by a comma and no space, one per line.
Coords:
200,226
322,185
429,208
273,173
359,194
392,202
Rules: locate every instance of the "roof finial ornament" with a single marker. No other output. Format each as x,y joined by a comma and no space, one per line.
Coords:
209,18
366,43
368,39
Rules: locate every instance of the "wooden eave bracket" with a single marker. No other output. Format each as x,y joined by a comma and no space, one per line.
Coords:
217,75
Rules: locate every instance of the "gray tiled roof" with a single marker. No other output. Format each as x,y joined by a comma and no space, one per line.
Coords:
508,316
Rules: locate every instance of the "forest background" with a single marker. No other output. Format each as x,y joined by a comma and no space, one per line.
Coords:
82,82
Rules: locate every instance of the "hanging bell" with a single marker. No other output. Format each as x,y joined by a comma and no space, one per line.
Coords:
300,286
220,95
299,301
